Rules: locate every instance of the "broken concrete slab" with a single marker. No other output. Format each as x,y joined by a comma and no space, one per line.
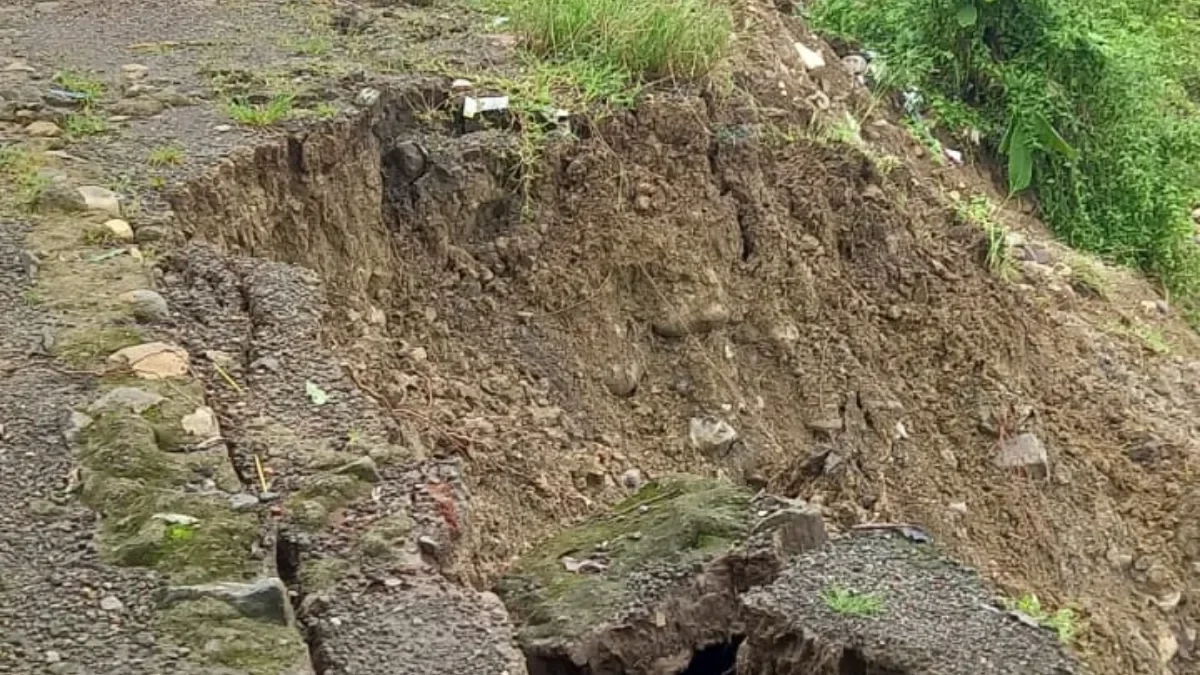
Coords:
879,603
414,625
656,579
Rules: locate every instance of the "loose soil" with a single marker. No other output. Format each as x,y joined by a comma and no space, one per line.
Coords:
365,281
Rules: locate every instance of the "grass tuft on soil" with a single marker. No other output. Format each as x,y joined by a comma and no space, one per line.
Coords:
644,38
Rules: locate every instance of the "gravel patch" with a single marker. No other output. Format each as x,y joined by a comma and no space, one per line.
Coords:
922,614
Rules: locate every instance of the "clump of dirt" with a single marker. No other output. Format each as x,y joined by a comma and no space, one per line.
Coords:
720,259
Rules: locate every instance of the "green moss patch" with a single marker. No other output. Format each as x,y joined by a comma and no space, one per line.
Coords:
129,479
219,636
90,346
668,525
311,505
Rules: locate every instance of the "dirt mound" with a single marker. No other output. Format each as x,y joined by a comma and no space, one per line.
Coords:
733,280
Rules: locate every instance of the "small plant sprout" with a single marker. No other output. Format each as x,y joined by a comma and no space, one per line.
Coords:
165,155
277,109
981,213
852,603
1064,622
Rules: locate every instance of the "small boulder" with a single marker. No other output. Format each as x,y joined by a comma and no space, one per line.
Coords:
147,306
142,106
1024,452
153,360
43,129
622,379
264,600
62,197
122,399
811,58
202,423
711,435
133,72
120,230
100,199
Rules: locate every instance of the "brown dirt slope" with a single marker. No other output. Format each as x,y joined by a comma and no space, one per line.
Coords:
736,252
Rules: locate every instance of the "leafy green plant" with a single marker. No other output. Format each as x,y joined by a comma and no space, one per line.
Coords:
1090,103
1064,622
852,603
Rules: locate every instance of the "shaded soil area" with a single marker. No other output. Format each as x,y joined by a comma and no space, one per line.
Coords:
370,287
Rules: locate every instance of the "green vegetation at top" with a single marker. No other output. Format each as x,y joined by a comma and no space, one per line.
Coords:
1091,103
643,39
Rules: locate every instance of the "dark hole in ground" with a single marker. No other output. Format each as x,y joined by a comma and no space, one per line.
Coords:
716,659
854,663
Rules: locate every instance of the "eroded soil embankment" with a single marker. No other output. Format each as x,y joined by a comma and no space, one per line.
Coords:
685,261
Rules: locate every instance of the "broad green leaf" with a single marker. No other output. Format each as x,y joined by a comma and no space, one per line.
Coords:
1051,138
1008,133
967,15
316,394
1020,161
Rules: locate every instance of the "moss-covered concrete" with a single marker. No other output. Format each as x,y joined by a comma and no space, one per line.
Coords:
89,346
129,478
311,505
217,635
671,524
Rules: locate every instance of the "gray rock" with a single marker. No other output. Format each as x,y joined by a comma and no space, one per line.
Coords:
363,468
173,98
132,72
711,435
147,306
264,600
796,530
125,398
111,603
243,501
691,320
633,479
147,234
96,198
76,424
1024,452
62,197
142,106
622,379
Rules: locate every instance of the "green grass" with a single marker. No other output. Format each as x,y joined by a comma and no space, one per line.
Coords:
277,109
648,39
83,124
1092,104
309,45
20,169
852,603
981,213
86,85
166,155
1064,622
